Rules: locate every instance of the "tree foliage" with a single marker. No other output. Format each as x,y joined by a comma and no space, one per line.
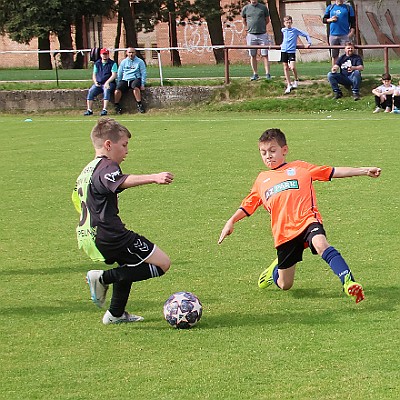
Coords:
24,20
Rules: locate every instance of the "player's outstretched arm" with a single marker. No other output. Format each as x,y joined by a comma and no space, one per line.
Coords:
162,178
228,228
347,172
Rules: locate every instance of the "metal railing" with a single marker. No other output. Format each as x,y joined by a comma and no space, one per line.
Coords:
385,48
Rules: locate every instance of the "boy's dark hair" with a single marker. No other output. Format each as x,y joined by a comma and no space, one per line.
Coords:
108,129
349,44
287,18
273,134
386,77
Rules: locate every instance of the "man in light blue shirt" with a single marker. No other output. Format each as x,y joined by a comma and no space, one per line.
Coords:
132,74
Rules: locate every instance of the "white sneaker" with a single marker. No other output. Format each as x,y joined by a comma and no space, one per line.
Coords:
377,110
98,291
388,110
288,89
295,84
125,317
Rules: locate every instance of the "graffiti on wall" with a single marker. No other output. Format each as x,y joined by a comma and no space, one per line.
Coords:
196,34
382,37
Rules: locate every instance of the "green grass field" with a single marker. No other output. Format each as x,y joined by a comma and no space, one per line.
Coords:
311,342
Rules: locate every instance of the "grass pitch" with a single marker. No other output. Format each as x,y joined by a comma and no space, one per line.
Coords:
311,342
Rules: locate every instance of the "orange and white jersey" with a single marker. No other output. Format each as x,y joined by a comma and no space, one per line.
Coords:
287,193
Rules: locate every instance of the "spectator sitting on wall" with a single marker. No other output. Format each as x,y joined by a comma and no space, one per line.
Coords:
132,74
104,74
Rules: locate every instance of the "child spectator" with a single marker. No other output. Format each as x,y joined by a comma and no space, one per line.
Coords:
384,95
396,100
288,51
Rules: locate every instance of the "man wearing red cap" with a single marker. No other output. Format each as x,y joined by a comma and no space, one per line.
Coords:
104,74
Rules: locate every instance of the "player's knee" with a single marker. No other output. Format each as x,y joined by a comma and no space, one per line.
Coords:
285,285
166,264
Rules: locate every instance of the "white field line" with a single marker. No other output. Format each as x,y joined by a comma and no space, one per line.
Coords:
326,118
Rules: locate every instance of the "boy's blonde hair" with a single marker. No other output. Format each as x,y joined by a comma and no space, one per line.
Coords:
108,129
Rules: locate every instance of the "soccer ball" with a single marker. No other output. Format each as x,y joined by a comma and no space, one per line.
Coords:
182,310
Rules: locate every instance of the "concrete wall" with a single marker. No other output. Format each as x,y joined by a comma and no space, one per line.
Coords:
55,100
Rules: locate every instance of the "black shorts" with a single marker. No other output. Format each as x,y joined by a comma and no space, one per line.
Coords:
291,252
287,57
124,86
136,251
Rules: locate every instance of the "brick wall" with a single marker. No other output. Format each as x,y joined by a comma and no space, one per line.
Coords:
378,23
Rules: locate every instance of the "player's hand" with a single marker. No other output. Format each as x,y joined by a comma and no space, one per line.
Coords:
164,178
142,88
374,172
226,231
107,86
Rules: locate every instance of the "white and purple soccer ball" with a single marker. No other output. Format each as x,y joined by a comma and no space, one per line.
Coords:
182,310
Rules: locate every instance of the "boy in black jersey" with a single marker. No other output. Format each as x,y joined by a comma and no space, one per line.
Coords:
101,233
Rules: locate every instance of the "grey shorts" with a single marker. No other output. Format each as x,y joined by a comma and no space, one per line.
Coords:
257,40
337,41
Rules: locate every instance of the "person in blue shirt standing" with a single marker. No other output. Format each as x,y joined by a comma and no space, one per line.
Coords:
342,22
288,51
347,72
104,74
132,74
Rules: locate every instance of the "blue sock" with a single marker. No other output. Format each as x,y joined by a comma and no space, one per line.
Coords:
337,263
275,276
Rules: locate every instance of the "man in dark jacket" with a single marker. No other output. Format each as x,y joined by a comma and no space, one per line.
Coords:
104,74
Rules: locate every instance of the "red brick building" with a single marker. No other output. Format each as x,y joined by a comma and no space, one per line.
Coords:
377,22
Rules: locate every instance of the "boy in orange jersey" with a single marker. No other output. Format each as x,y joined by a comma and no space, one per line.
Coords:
287,193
